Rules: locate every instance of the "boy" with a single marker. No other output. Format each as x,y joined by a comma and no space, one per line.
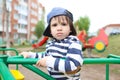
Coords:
63,56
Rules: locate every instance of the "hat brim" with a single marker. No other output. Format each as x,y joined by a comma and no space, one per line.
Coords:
47,32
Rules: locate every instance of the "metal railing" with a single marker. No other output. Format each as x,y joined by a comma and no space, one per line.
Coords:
111,59
28,63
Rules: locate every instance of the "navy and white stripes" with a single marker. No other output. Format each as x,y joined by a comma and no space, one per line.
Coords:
65,55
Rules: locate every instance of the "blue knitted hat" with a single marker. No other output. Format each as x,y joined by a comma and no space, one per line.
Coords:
57,11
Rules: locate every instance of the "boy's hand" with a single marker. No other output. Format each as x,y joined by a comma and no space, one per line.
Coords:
25,54
42,62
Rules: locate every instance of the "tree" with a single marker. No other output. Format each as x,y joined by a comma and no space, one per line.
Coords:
39,29
83,23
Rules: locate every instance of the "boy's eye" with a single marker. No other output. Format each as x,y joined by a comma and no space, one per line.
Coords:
54,24
64,24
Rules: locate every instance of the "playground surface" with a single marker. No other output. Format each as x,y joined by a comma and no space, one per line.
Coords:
88,72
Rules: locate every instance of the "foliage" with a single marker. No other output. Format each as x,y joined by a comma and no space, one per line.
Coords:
39,29
83,23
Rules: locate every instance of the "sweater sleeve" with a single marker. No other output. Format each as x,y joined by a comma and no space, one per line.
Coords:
72,60
37,55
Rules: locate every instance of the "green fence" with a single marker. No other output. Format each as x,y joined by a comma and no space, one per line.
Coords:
28,63
111,59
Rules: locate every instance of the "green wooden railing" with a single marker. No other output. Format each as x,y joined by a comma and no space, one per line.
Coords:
29,62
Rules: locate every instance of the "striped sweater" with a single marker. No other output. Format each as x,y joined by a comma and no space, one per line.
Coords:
65,55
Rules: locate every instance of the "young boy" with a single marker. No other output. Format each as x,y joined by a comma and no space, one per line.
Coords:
63,56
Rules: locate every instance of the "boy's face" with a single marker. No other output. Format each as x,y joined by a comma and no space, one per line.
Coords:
59,27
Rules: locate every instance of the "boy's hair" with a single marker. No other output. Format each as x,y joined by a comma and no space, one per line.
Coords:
59,12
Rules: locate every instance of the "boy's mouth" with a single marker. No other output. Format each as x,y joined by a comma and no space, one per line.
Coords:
59,34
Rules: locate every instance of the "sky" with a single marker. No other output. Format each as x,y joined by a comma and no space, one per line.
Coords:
100,12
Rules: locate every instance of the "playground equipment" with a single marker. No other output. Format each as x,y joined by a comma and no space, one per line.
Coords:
99,42
29,62
43,41
15,74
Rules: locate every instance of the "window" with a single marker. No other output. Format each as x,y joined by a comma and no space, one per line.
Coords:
16,16
26,1
34,5
1,1
0,10
16,26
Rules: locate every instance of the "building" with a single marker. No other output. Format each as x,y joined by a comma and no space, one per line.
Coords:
22,19
112,29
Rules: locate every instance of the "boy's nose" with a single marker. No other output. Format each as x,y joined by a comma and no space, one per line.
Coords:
59,28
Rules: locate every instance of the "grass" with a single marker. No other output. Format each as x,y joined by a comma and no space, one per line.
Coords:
116,71
21,46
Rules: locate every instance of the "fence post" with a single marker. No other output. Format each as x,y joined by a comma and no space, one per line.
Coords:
107,71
